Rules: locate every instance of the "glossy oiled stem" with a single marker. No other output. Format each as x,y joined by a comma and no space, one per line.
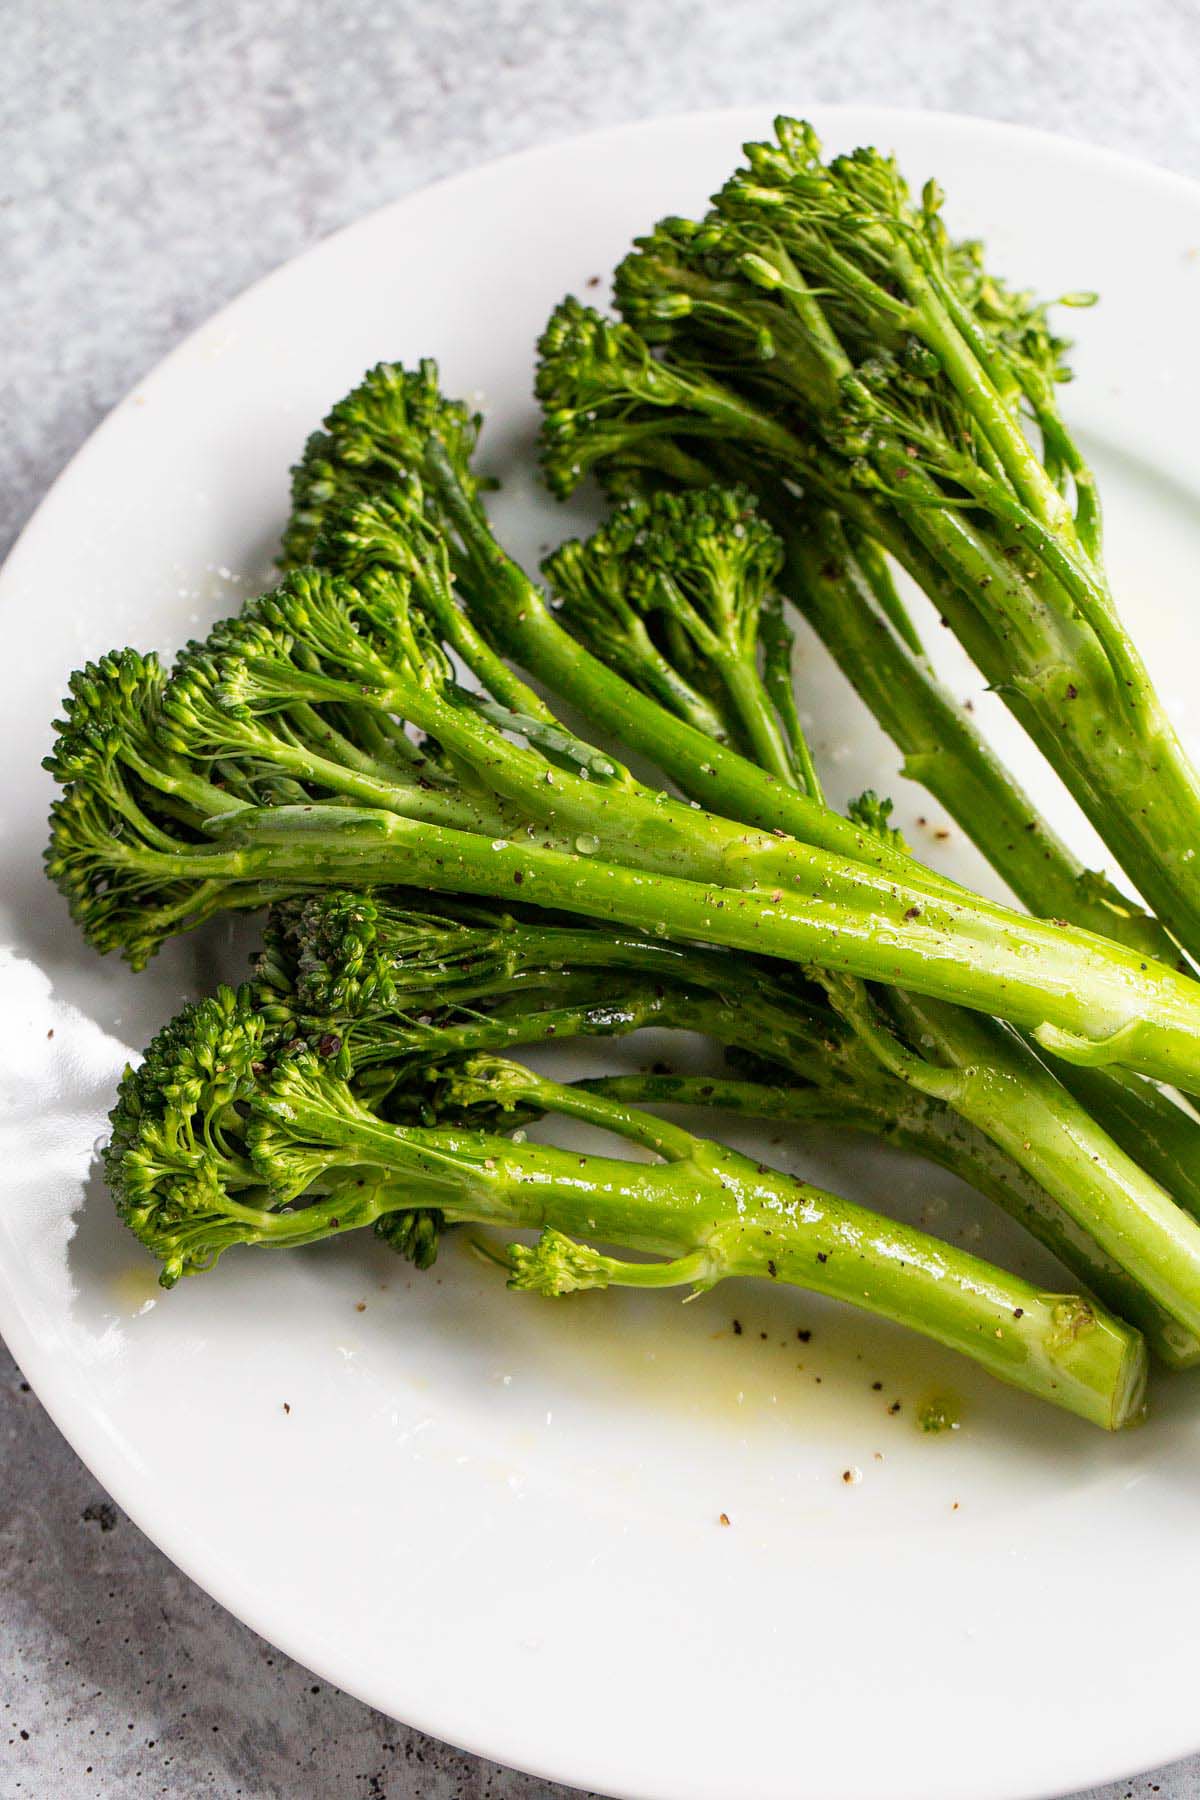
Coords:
517,615
1159,1133
745,1220
993,1080
528,984
1127,770
943,748
1088,1000
934,1129
763,732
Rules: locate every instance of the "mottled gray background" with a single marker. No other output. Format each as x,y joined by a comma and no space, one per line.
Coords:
155,159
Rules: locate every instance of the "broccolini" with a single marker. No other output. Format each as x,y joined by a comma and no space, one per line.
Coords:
218,1140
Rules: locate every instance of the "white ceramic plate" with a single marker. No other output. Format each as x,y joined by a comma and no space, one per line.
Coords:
490,1515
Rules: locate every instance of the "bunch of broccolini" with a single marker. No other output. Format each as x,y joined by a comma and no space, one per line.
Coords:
818,333
809,381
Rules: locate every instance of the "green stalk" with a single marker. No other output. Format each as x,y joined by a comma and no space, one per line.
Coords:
848,596
519,618
1160,1134
765,739
361,971
892,677
1143,796
777,643
907,1120
993,1080
942,747
714,1214
1083,998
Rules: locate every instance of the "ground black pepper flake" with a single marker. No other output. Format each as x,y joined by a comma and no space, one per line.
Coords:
877,1387
737,1328
803,1333
894,1408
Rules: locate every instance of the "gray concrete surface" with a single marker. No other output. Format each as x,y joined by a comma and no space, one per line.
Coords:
156,158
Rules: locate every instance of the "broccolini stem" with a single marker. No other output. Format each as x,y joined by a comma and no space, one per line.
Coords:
1085,999
993,1080
517,615
765,737
780,684
489,988
714,1214
942,747
930,1128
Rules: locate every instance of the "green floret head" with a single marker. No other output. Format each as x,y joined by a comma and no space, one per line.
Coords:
712,546
666,588
119,821
378,438
608,402
494,1082
306,1126
664,281
355,955
590,580
207,715
320,483
866,243
313,1140
388,419
248,692
106,867
176,1160
397,559
556,1265
229,1132
704,290
376,534
786,188
111,706
330,947
707,546
335,634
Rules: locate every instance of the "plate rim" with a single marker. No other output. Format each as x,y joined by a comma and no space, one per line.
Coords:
107,1459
